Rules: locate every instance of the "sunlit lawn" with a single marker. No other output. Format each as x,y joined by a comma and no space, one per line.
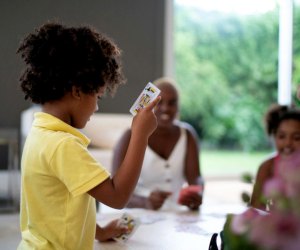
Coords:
230,163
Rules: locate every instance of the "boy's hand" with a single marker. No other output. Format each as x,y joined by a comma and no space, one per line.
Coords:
111,230
145,121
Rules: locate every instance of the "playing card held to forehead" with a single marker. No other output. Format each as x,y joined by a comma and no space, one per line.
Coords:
149,93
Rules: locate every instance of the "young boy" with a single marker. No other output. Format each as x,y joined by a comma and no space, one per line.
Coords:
68,70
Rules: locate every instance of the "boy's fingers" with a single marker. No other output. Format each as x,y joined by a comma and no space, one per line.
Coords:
151,105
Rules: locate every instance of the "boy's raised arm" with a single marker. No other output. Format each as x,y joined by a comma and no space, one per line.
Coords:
116,191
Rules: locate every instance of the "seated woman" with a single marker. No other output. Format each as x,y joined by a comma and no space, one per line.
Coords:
171,158
283,125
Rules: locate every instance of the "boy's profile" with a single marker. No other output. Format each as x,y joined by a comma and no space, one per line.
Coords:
68,69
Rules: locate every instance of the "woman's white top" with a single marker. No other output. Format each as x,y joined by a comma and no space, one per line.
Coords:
164,174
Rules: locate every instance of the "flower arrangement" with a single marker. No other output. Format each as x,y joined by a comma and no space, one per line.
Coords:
277,229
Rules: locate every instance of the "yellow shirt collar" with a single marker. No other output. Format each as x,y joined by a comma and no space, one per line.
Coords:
51,122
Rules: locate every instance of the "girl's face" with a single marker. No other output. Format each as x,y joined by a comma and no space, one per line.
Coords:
167,109
287,137
87,107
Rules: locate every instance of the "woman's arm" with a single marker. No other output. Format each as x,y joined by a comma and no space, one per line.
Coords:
192,162
192,169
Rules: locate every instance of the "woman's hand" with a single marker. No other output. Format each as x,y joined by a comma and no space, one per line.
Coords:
192,201
191,196
156,199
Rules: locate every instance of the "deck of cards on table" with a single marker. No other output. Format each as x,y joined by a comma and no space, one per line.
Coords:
149,93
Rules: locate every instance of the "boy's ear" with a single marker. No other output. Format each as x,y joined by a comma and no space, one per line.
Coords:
76,92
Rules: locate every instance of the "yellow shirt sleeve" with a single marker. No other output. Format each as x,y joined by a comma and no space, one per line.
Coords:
76,167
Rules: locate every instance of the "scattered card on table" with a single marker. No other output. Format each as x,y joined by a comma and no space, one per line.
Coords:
149,93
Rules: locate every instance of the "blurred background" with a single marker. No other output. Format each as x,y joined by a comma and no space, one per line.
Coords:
223,54
227,65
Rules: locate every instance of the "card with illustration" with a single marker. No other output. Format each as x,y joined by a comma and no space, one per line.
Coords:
131,223
149,93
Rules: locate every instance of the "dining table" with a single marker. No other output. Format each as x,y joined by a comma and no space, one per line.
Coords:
170,229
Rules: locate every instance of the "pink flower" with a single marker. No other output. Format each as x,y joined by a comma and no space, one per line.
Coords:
279,229
292,181
274,188
276,231
240,223
290,161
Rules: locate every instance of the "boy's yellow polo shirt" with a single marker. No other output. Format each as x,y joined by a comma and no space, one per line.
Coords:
57,172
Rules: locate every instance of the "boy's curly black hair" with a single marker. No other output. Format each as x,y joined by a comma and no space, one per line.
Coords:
59,57
278,113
